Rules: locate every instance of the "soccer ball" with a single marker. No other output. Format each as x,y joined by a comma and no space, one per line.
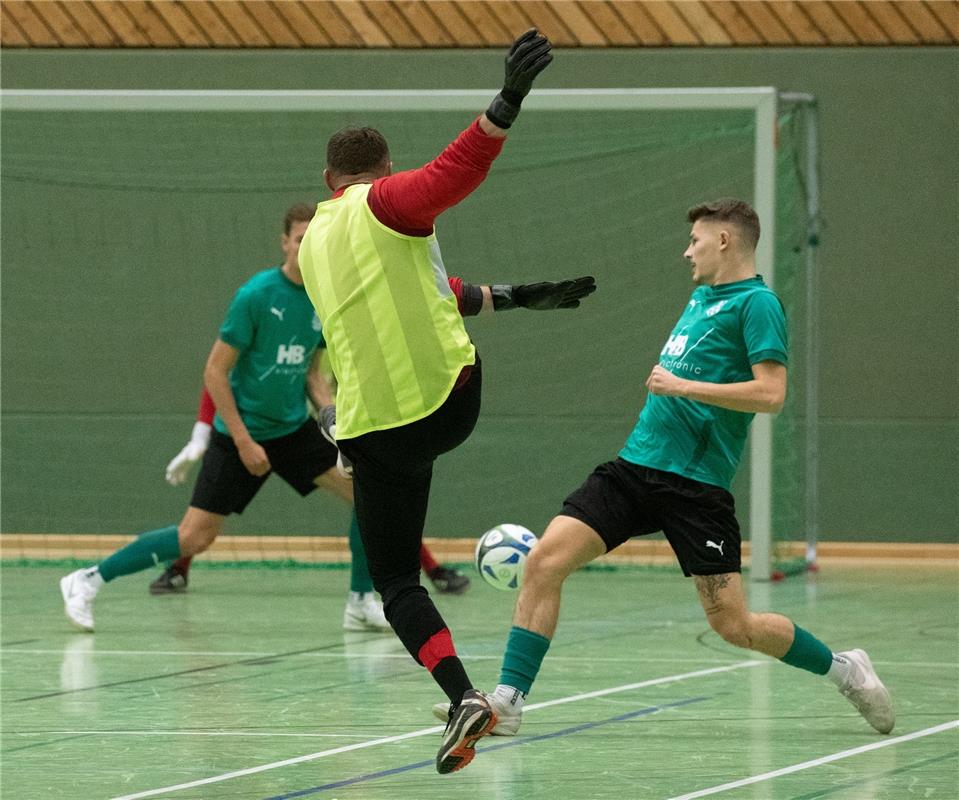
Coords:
501,555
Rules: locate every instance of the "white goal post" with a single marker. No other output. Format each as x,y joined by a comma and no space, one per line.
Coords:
762,101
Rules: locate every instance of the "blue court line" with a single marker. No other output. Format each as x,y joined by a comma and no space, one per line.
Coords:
514,743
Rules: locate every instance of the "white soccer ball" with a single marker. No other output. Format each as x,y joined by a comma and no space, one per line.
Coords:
501,555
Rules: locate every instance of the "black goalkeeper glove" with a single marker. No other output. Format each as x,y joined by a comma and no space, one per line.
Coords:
543,296
526,59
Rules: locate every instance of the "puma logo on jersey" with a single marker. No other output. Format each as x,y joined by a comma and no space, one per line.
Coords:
719,547
278,311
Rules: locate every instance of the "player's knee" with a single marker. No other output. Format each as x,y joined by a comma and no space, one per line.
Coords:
197,537
545,566
732,629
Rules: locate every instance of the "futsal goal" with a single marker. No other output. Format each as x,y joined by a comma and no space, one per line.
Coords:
593,181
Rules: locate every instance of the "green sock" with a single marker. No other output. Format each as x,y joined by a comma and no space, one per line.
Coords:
808,653
360,580
525,651
152,547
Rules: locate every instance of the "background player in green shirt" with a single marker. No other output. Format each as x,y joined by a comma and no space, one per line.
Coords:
259,373
724,361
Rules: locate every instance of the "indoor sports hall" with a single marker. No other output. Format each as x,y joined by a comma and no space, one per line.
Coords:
149,153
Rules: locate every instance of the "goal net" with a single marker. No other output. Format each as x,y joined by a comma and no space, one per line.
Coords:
130,218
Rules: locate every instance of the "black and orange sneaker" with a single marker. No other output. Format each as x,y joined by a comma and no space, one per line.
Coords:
469,722
172,581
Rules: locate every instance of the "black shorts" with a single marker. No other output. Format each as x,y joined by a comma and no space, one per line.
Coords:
224,486
620,500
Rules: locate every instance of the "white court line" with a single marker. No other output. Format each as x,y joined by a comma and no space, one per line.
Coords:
191,733
404,655
426,731
816,762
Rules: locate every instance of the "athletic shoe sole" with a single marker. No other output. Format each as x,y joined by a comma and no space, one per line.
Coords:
471,722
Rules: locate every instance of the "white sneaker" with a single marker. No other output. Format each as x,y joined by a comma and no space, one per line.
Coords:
364,614
865,691
79,588
508,717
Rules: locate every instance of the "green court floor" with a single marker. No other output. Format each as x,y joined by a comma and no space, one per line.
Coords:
246,687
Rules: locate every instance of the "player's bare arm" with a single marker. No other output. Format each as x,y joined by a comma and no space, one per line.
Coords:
764,394
317,386
216,376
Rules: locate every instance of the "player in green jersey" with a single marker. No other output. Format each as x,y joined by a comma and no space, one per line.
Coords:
724,361
259,373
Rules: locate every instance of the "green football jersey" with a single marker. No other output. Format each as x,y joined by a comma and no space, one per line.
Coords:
272,323
722,332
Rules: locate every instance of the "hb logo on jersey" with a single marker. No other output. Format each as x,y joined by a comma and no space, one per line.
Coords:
290,354
675,346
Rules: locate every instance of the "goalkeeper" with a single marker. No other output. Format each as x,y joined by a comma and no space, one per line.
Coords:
408,375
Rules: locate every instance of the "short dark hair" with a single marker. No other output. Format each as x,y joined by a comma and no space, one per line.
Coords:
301,212
728,209
352,151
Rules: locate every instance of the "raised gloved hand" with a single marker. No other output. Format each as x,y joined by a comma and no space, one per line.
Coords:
179,468
527,58
543,296
326,419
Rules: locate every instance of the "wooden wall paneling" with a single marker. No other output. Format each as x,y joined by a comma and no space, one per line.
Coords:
36,31
147,20
244,26
722,28
859,21
738,26
892,22
487,24
181,23
95,29
11,35
614,27
643,26
542,16
213,24
673,25
68,33
307,29
800,24
273,22
946,13
767,23
579,23
371,35
451,17
116,18
831,25
327,14
417,13
512,18
393,23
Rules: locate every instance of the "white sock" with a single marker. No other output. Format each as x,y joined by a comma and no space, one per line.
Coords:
510,696
359,597
95,579
839,670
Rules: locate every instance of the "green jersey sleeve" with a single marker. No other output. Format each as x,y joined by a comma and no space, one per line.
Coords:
764,328
239,328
